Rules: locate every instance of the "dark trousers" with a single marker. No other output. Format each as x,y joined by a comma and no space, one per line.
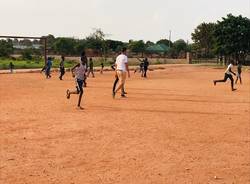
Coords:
47,73
225,79
62,72
145,72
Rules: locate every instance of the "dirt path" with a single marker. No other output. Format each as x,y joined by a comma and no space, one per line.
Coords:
174,127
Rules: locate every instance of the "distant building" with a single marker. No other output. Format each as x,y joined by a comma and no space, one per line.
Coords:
22,47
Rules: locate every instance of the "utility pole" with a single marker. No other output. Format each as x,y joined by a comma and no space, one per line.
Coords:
169,38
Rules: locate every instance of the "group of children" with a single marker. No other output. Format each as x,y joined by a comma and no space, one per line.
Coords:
83,69
48,66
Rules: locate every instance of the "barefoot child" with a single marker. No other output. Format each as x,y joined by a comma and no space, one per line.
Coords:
79,72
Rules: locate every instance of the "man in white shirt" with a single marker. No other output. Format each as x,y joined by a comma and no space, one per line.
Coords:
228,74
121,66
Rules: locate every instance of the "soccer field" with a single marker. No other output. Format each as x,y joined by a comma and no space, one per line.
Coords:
174,127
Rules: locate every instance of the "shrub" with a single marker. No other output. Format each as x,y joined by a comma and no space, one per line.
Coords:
27,54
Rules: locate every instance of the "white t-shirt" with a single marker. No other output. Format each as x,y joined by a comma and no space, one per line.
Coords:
228,69
121,61
80,71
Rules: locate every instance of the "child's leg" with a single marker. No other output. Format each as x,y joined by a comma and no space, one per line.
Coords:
80,98
232,82
80,91
145,72
223,80
115,83
85,83
240,78
236,79
122,78
68,92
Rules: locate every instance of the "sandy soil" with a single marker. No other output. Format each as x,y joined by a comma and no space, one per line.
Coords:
174,127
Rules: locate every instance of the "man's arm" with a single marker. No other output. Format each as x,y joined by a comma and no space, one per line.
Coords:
230,70
127,68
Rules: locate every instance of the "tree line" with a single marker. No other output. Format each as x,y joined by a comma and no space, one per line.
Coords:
228,38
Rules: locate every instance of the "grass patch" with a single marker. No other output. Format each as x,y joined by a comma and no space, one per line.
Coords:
30,64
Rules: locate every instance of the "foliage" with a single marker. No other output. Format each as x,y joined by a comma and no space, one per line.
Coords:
114,45
180,45
232,36
96,40
6,48
65,46
137,46
27,54
204,39
149,43
165,42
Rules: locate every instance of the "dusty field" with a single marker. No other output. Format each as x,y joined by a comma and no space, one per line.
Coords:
174,127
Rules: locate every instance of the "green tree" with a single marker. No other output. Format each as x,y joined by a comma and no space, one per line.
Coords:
64,46
96,40
165,42
137,46
149,43
80,45
232,36
179,47
114,45
27,54
203,37
6,48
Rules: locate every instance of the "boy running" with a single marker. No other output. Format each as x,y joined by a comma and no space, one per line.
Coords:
78,71
228,74
62,69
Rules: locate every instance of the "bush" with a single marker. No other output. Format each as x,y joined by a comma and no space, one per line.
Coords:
6,48
27,54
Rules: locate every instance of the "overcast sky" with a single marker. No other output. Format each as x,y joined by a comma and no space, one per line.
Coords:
123,20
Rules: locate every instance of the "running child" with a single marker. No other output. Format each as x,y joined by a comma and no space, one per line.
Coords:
79,72
228,74
62,69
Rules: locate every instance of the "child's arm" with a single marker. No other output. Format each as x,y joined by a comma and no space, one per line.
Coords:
139,59
73,68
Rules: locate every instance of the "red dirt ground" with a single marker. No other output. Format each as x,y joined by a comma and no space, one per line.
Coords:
174,127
